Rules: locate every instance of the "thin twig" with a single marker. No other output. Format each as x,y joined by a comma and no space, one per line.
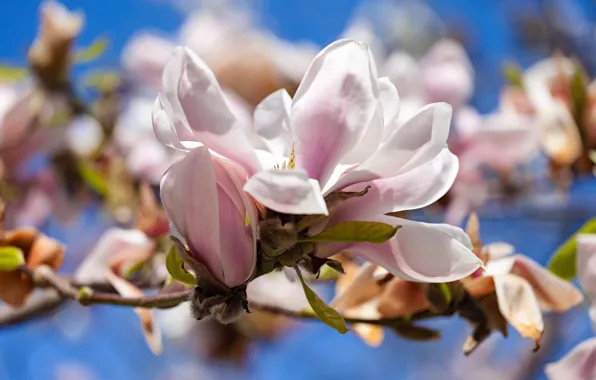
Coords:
44,277
305,315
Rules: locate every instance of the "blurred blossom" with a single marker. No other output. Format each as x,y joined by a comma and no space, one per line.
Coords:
145,56
547,85
144,156
84,135
116,252
349,153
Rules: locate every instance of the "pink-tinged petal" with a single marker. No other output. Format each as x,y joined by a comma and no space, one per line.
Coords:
586,264
519,306
272,122
415,143
207,113
112,243
238,241
189,195
287,191
150,328
203,199
552,292
579,364
165,130
333,107
145,56
418,251
389,99
417,188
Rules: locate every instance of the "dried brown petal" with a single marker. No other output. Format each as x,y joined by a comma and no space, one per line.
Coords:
45,250
15,287
519,306
402,298
22,238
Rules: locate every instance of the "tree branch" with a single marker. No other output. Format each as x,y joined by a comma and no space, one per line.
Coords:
305,315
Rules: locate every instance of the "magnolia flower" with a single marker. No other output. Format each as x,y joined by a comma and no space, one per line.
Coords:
117,251
547,85
203,198
328,138
579,363
524,289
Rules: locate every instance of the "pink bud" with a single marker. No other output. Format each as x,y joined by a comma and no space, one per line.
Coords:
207,208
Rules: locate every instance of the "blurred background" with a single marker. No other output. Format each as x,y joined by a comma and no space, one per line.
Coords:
77,343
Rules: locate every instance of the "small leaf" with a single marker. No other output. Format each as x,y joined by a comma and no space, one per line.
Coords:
11,258
91,52
417,333
133,269
103,81
357,231
93,178
513,74
12,74
327,314
563,262
175,266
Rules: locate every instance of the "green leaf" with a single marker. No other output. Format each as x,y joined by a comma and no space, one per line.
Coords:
91,52
93,178
102,81
326,313
11,258
356,231
513,75
175,266
564,261
11,74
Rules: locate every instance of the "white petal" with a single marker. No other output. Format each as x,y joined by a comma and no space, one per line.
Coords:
552,292
418,252
417,188
390,101
413,144
519,306
272,122
287,191
333,107
197,100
